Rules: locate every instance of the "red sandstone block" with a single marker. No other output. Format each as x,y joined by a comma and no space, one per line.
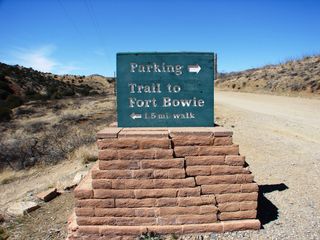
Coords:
198,171
146,143
89,229
143,133
115,212
250,224
196,201
237,206
83,193
145,212
190,131
96,203
208,209
47,195
190,210
155,193
222,141
145,173
221,179
196,219
132,183
204,160
151,183
244,178
227,170
244,206
167,220
221,132
121,230
109,132
251,214
189,192
218,150
123,221
163,153
119,165
135,203
153,153
236,197
174,183
172,173
134,143
137,154
111,174
168,229
147,130
182,151
162,163
167,202
165,211
201,228
235,160
108,154
112,193
88,212
128,143
125,212
190,140
229,207
220,188
249,187
206,150
101,184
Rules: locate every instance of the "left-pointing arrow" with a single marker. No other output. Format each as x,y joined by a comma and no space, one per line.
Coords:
135,116
194,68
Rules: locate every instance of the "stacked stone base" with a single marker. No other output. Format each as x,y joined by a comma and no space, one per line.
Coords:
164,180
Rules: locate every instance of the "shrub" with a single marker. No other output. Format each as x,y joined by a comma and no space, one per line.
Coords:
4,86
4,94
13,101
24,111
5,113
150,236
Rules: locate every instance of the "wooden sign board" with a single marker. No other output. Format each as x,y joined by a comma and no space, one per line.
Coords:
165,89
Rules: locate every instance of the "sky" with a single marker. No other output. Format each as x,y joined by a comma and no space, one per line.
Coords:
83,36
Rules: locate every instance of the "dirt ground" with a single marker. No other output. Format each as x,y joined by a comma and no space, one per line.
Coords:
280,136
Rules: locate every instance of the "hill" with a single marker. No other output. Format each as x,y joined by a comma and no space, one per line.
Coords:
295,77
19,85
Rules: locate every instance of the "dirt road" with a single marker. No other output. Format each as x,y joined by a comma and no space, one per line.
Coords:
280,137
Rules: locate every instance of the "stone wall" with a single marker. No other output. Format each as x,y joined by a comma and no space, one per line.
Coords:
165,180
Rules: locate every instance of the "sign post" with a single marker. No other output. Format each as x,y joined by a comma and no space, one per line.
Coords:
165,89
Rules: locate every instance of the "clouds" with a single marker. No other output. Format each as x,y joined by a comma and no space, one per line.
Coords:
41,58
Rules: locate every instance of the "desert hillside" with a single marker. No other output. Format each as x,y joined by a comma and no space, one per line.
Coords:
20,85
295,77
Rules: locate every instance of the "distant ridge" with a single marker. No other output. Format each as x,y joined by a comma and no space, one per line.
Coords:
294,77
20,84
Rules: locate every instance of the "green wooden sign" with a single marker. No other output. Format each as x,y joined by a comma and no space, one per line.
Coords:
165,89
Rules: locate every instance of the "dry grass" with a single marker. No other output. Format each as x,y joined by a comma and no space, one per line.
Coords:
51,131
293,77
85,154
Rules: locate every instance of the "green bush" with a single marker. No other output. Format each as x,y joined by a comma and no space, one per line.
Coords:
5,113
13,101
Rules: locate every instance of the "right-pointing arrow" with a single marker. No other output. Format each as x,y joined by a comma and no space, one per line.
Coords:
194,68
